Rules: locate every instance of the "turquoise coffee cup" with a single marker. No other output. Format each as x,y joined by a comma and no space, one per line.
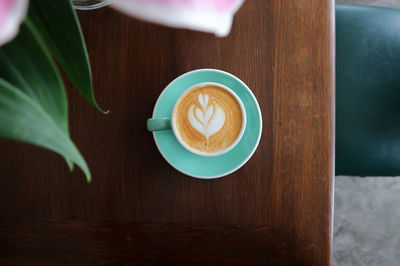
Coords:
168,123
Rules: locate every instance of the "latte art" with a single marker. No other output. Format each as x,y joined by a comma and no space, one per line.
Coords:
208,118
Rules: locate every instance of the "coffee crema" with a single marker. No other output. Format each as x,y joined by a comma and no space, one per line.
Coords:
208,118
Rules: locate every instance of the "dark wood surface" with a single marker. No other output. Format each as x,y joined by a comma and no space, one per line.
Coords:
138,210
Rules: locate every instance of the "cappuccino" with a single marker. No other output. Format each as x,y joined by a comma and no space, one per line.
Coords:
208,118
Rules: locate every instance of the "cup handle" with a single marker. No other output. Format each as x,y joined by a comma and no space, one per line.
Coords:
157,124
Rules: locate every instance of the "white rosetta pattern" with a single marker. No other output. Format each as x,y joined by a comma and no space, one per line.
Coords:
208,120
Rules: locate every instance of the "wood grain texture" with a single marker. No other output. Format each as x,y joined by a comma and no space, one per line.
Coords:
278,204
119,243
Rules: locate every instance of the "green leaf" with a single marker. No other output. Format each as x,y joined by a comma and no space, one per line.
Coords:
60,30
23,119
33,103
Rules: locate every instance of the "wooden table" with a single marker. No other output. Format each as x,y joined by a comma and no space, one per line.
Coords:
275,210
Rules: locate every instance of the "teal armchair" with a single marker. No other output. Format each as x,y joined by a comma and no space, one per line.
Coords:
367,91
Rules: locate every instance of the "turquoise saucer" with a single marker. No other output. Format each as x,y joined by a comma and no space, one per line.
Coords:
207,167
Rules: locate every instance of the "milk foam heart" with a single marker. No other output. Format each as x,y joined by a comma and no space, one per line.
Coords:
208,118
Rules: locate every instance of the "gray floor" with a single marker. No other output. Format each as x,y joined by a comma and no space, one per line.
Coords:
367,210
384,3
367,221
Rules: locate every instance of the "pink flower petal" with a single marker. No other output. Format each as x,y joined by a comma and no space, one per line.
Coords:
5,7
204,15
12,13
